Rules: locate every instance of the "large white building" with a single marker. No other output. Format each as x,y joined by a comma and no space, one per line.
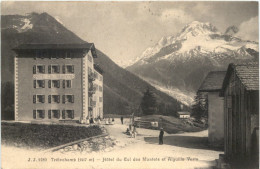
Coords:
57,82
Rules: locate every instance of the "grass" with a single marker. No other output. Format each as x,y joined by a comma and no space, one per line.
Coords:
44,136
171,124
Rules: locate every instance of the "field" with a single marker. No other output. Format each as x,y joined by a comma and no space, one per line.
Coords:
44,136
172,124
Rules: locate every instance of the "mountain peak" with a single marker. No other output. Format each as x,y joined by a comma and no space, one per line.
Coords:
197,28
231,30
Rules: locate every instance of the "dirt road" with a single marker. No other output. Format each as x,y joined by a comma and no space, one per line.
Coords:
186,150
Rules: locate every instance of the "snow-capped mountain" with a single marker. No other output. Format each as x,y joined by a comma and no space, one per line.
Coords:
184,60
198,39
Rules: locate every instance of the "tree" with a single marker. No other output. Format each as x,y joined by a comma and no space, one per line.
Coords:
148,103
200,107
7,101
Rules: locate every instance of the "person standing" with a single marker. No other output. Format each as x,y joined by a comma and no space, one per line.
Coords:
161,136
122,119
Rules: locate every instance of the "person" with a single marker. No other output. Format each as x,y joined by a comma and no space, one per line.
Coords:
122,119
161,136
134,132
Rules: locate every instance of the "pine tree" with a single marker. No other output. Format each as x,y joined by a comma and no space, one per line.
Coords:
200,107
148,103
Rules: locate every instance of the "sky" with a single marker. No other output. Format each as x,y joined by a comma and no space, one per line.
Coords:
123,30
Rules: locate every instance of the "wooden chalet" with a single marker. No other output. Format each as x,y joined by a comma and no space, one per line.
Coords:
240,90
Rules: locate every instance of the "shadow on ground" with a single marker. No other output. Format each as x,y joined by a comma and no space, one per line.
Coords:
183,141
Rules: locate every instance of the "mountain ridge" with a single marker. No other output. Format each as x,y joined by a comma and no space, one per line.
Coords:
183,60
122,89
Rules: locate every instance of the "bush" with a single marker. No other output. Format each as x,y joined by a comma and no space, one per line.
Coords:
44,136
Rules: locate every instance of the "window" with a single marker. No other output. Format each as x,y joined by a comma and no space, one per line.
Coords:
54,84
38,98
100,88
68,98
90,58
68,69
54,114
54,98
67,83
54,69
39,83
67,114
38,69
38,114
100,99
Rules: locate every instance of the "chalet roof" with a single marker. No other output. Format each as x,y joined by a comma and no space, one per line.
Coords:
213,81
183,113
248,73
75,46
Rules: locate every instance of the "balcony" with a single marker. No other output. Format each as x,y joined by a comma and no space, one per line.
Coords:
91,76
92,103
92,90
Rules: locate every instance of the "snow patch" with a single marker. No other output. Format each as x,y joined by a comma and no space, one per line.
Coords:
27,24
59,20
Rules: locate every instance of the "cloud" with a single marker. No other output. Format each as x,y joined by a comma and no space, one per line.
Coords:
176,15
248,30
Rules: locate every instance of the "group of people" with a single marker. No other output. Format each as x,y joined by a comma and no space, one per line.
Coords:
131,130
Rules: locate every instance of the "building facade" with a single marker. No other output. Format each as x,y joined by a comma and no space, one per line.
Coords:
241,106
212,85
183,115
53,82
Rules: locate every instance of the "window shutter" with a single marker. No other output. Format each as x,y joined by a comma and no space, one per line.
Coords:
63,98
49,83
43,68
58,84
43,83
43,99
34,114
63,83
63,114
34,83
72,114
43,114
58,69
49,69
58,98
34,69
49,114
72,68
58,114
72,99
34,98
63,69
49,98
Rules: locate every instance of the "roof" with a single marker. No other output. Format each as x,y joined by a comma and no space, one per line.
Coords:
213,81
98,68
183,113
248,74
75,46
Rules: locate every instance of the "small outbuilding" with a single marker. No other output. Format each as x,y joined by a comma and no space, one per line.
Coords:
241,106
184,115
212,85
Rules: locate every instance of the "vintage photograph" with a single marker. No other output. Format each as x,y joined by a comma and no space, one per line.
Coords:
129,84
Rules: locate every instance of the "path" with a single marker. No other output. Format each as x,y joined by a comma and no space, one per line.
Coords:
187,150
